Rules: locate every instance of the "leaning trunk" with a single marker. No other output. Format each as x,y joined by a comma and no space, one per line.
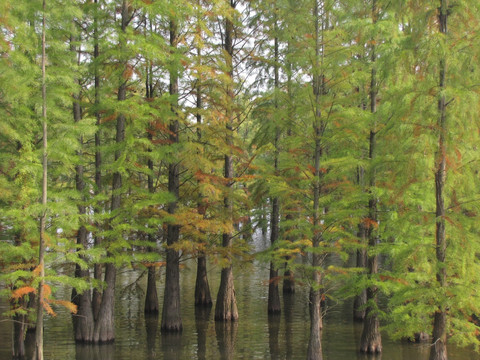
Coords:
439,340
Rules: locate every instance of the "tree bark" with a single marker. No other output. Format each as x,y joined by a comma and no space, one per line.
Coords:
439,339
171,317
202,289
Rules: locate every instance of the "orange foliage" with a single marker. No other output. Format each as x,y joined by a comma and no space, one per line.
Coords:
48,308
68,305
385,278
20,292
370,223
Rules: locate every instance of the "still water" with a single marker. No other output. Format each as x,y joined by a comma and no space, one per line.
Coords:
255,336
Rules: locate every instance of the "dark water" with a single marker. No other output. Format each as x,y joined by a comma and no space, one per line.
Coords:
254,336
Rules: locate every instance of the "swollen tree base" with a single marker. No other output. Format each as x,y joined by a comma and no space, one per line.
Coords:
274,306
288,282
371,341
439,340
314,351
202,288
226,306
151,298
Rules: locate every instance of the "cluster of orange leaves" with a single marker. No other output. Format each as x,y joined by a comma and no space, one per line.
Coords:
46,301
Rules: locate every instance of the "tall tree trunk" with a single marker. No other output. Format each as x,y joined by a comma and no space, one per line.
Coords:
151,296
226,306
273,294
104,330
288,276
202,288
439,339
361,258
20,321
38,354
314,351
83,322
171,317
361,262
97,272
371,341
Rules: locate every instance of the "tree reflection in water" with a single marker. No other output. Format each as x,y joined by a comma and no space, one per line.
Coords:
226,332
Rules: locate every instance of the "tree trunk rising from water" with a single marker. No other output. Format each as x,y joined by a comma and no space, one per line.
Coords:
151,297
273,294
83,322
371,341
202,288
226,306
314,351
105,323
439,339
38,354
171,316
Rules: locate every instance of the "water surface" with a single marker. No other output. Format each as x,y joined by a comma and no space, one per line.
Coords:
255,336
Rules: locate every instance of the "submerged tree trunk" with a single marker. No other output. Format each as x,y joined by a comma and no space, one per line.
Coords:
439,339
38,355
171,317
226,306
